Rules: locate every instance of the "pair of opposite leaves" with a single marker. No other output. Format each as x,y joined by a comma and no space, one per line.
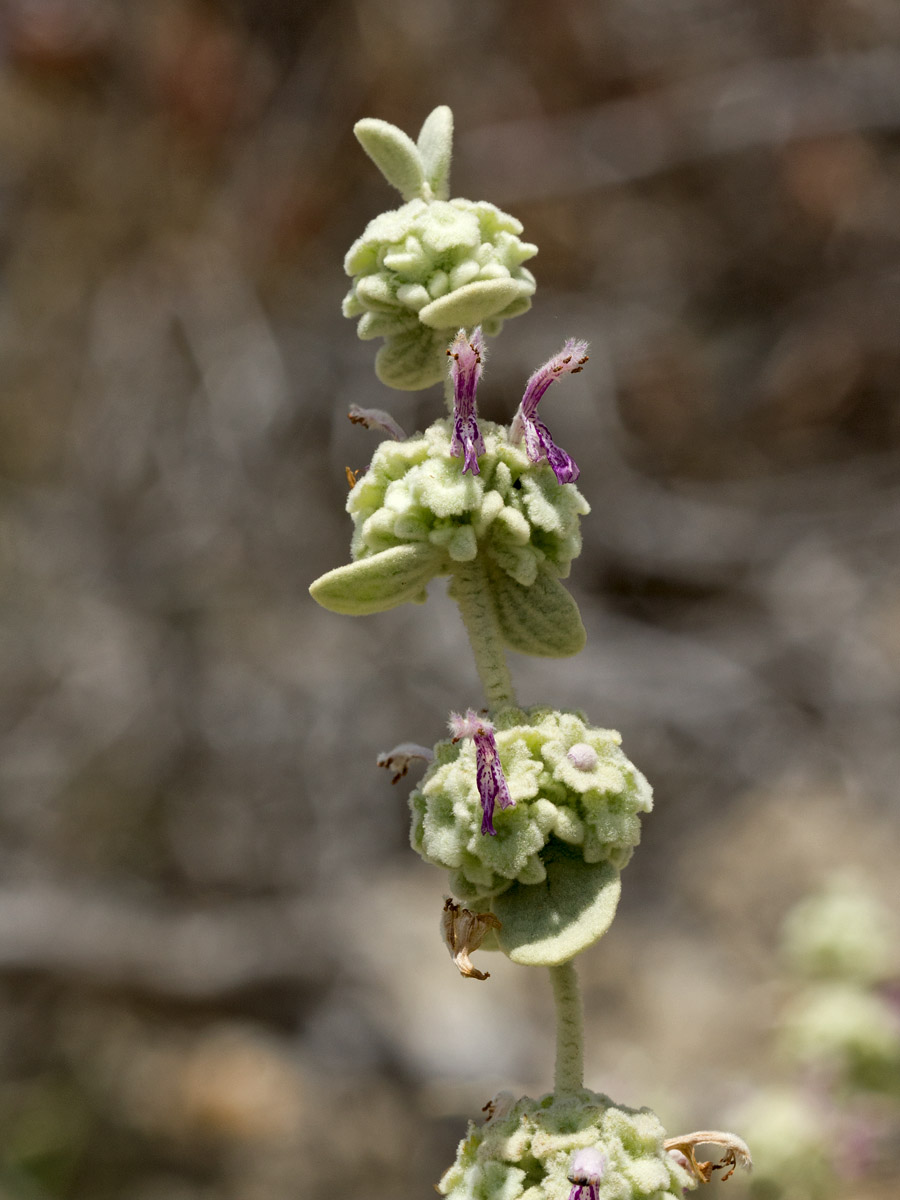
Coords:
541,620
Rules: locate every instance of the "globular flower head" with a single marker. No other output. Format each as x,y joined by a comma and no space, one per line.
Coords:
556,1146
539,445
417,514
591,808
489,777
513,511
466,358
424,269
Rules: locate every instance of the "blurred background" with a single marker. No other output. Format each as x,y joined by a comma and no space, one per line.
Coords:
221,976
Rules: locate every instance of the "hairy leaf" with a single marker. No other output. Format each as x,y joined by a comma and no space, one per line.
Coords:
545,924
542,619
435,147
394,154
378,582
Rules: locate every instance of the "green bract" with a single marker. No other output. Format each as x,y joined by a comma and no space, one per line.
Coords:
566,817
513,517
423,270
527,1152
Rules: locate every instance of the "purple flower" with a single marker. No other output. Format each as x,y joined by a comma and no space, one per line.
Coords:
488,772
586,1172
466,358
538,442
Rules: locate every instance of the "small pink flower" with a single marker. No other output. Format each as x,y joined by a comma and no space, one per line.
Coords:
587,1170
539,444
489,775
466,357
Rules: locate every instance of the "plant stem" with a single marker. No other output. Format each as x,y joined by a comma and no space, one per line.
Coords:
470,591
569,1029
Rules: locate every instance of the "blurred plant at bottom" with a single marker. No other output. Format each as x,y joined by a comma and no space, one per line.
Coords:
831,1127
129,1104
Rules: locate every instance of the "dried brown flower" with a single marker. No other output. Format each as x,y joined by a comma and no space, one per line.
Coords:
464,931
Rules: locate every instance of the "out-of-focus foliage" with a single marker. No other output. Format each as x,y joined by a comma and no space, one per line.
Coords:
831,1126
221,976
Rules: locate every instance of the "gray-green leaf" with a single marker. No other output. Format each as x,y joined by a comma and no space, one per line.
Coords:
435,147
472,303
545,924
378,582
409,361
394,154
542,619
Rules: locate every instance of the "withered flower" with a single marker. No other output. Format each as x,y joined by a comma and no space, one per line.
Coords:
737,1152
463,933
401,758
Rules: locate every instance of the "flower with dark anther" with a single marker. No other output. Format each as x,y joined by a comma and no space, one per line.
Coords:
587,1170
737,1152
466,357
464,931
498,1107
539,444
489,775
401,758
376,418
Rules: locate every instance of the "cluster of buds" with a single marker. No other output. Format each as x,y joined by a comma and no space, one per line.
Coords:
422,270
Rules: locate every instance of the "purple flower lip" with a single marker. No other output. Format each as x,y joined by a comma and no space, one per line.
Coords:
491,781
466,358
539,445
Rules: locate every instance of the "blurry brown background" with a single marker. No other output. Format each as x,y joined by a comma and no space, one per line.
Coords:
220,971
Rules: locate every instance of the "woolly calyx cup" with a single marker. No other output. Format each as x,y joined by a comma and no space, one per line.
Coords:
421,271
531,1149
550,872
417,515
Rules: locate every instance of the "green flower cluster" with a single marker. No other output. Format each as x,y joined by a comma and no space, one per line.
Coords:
569,781
844,942
514,510
423,270
527,1152
841,933
847,1028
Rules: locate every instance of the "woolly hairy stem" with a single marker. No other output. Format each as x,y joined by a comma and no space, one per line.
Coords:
569,1029
471,592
